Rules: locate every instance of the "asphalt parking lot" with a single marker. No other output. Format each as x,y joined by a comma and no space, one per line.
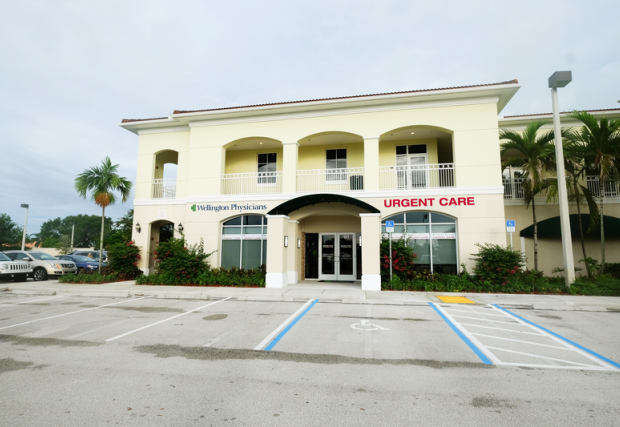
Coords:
65,359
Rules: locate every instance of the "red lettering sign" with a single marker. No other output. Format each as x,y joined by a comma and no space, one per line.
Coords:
414,203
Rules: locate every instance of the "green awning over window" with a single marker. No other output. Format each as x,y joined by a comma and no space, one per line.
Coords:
303,201
551,227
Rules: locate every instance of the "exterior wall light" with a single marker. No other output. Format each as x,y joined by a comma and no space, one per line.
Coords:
180,227
298,243
286,241
138,228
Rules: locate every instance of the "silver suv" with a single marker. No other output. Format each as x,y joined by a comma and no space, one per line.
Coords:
9,269
43,265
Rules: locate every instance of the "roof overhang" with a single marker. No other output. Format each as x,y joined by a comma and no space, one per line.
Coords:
551,227
313,199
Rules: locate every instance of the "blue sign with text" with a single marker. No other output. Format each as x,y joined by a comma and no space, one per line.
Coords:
510,223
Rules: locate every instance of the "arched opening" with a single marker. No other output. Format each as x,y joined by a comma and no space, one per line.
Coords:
432,236
416,157
253,166
160,231
165,174
244,242
330,162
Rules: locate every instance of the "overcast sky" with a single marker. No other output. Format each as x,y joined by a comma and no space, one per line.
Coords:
71,70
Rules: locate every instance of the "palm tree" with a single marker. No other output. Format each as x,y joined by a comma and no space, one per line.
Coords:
102,182
598,143
533,153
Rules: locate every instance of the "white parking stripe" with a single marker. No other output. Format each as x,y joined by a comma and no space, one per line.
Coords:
474,312
503,329
73,312
162,321
538,356
486,320
37,300
521,341
269,337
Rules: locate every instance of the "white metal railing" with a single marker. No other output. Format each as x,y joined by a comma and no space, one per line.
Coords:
165,188
413,177
330,180
513,188
252,183
610,187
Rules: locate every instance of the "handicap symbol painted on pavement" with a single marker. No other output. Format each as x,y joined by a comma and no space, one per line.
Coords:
366,325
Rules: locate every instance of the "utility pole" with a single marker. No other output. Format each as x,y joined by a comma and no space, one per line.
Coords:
25,226
72,232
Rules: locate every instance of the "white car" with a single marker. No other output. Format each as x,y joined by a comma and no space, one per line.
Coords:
12,270
43,265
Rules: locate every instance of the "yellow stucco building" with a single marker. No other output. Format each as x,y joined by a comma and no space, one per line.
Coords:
306,187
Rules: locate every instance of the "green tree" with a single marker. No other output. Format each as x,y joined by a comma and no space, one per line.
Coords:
86,230
10,233
597,142
102,182
121,232
531,154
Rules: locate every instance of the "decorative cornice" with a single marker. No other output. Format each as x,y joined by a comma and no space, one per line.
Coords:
184,128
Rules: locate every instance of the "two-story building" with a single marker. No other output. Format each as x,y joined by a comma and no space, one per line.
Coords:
306,187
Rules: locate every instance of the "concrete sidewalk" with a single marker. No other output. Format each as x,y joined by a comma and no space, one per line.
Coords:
326,292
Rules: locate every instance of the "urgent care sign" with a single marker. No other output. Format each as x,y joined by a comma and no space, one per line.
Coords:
429,202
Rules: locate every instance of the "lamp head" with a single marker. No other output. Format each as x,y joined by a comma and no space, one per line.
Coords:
25,206
560,79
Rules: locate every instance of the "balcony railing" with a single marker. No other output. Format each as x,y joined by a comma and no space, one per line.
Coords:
330,180
252,183
165,188
610,187
413,177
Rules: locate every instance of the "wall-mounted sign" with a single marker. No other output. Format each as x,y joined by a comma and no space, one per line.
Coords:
429,202
439,236
231,207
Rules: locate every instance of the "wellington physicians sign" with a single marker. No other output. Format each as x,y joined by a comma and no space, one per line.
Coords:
231,207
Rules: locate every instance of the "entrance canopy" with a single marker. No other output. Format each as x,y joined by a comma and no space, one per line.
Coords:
551,227
313,199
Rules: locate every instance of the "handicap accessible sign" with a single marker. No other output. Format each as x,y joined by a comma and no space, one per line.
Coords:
510,226
389,226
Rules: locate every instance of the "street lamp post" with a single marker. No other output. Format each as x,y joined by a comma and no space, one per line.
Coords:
25,226
561,79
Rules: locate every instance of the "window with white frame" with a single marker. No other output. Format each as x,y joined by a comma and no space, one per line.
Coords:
267,167
244,242
335,160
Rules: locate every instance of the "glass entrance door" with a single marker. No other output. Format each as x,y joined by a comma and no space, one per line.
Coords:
337,256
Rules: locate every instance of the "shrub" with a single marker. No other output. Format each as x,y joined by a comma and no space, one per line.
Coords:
497,265
217,276
613,269
403,260
123,260
89,277
176,258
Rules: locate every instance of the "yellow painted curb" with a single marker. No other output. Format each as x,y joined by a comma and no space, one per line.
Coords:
456,300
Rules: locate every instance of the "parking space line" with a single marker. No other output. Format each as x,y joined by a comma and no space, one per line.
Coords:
521,341
538,356
162,321
474,312
288,328
37,300
486,320
269,337
557,336
487,357
503,329
72,312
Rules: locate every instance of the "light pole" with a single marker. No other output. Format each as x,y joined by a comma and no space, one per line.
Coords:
72,231
561,79
25,226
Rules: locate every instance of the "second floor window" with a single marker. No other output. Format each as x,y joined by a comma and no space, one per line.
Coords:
267,166
336,159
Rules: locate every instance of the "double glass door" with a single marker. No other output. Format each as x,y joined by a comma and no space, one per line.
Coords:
412,171
337,260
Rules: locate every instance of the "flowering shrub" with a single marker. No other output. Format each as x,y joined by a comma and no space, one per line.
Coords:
123,260
497,265
177,259
403,260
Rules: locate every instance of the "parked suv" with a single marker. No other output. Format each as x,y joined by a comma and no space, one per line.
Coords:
92,254
9,269
43,265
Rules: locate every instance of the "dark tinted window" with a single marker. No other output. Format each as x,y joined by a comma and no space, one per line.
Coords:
252,220
417,149
442,218
398,219
418,217
401,149
234,221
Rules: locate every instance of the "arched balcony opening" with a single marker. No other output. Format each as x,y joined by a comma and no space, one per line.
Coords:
253,166
330,162
165,175
416,157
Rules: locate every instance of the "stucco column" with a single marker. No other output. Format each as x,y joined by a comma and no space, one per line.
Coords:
289,166
371,163
371,243
276,252
293,254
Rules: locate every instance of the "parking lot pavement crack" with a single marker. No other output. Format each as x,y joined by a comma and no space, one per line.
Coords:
45,342
219,354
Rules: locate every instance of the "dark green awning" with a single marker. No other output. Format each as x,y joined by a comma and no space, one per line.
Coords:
303,201
551,227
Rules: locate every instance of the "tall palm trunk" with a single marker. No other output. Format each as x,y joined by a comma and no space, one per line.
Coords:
101,242
583,243
602,218
535,235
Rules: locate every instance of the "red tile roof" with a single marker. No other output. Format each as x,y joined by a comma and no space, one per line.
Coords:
563,112
142,120
346,97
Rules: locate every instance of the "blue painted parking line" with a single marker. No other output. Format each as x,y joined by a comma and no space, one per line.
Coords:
587,350
288,328
471,345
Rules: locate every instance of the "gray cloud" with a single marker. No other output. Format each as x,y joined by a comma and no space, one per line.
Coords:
71,70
